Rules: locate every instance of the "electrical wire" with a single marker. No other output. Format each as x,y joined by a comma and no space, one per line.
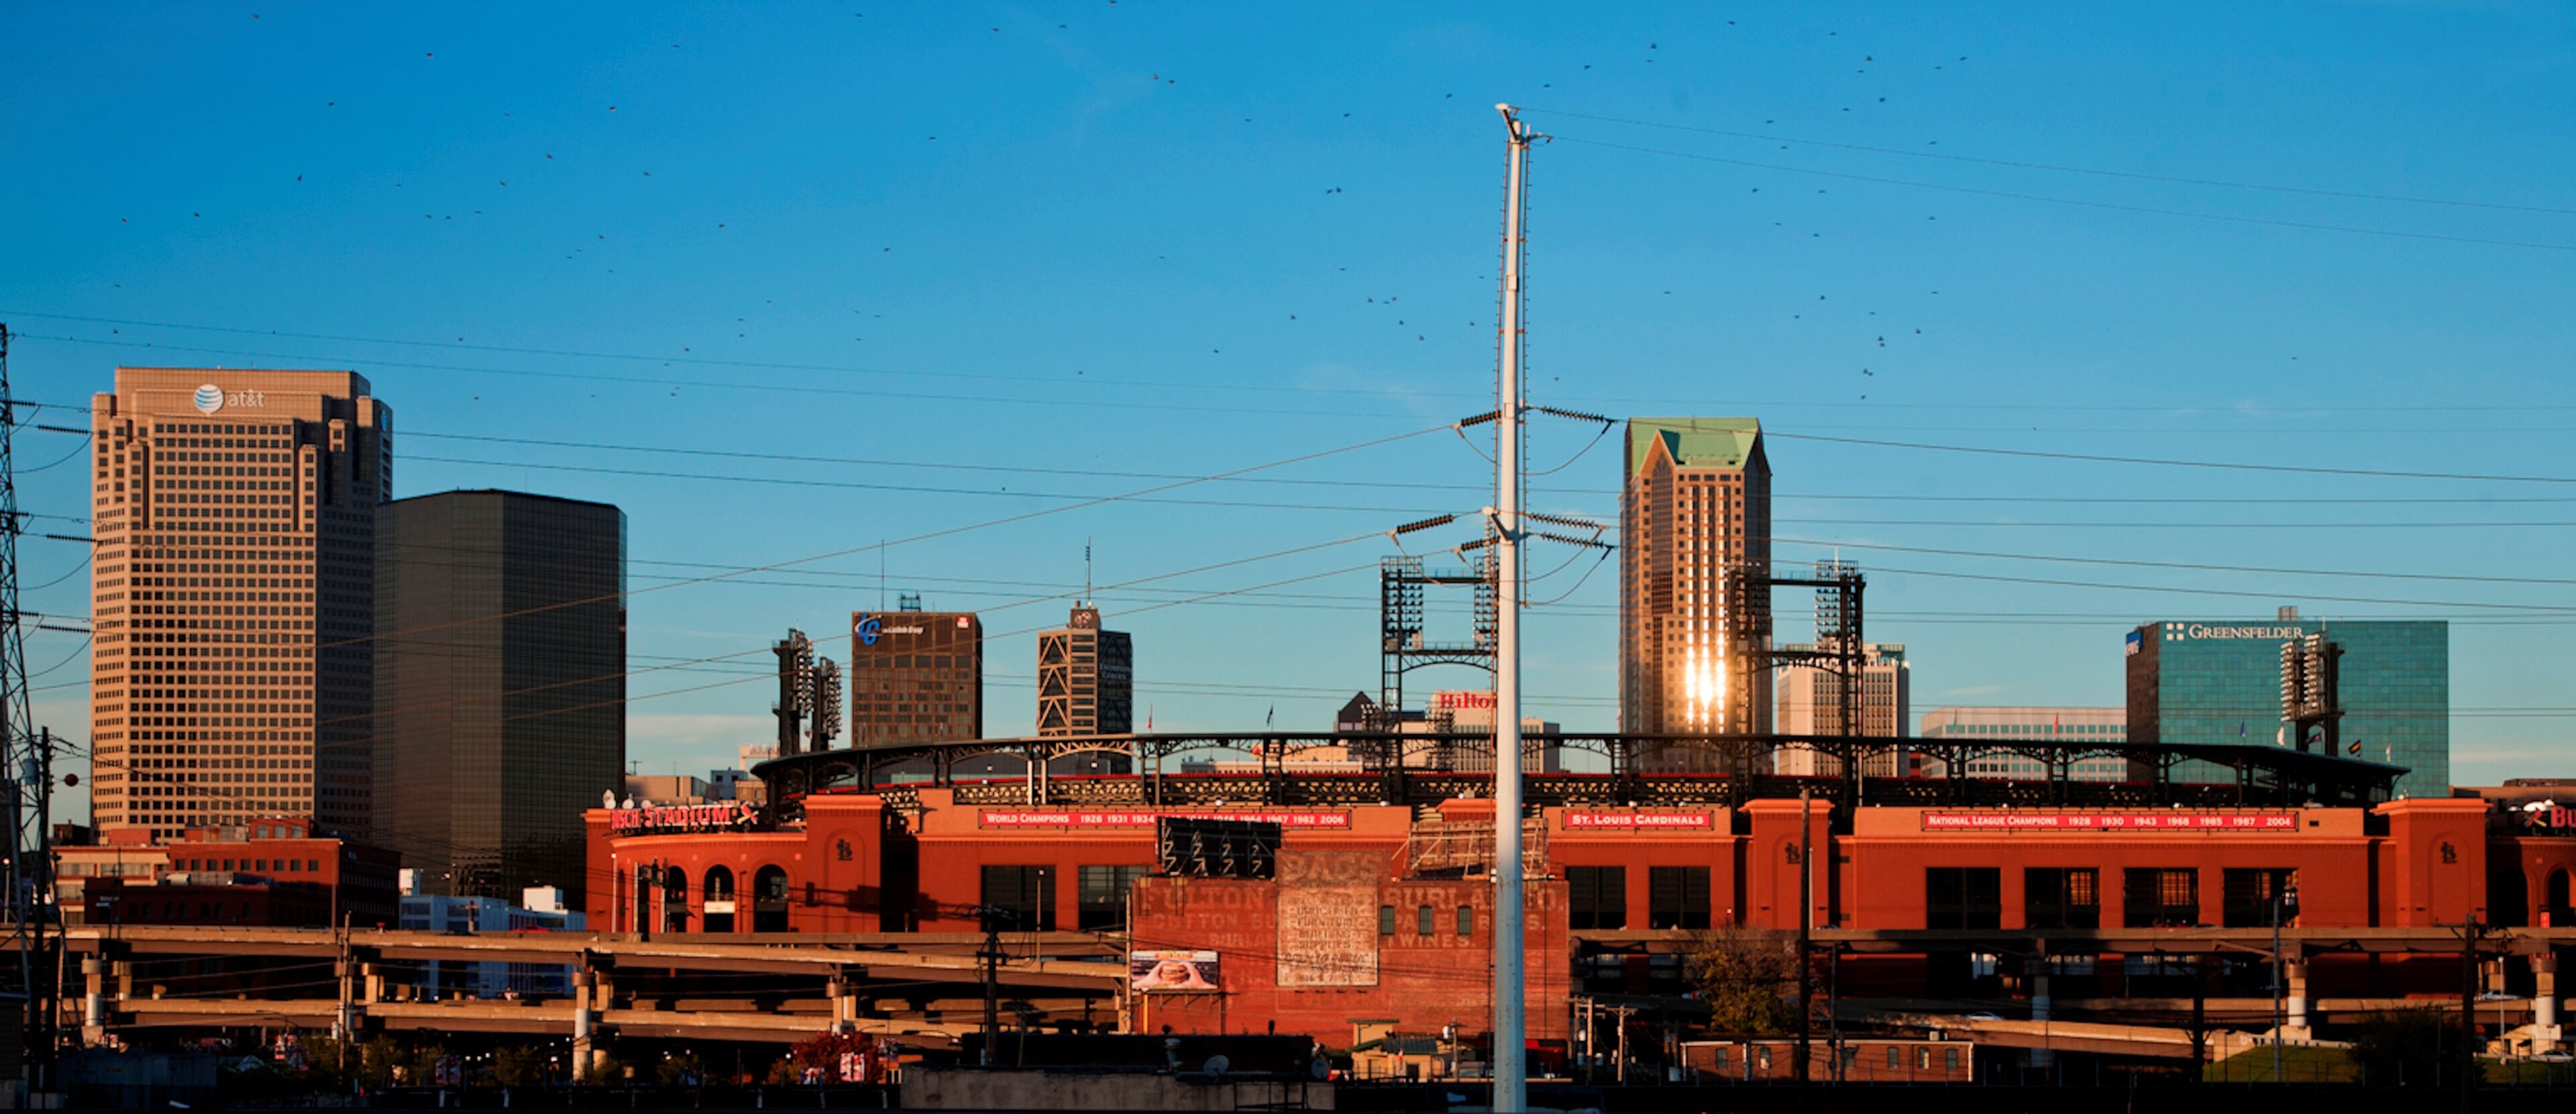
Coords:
76,451
2270,595
907,488
2063,169
778,388
2190,565
2231,466
86,554
881,545
1578,583
2077,202
67,658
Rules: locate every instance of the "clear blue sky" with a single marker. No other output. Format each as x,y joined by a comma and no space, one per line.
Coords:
1181,239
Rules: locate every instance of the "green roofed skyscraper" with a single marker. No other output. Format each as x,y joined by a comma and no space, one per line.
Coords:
1695,501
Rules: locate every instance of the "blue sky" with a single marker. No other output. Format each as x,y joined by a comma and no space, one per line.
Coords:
1068,247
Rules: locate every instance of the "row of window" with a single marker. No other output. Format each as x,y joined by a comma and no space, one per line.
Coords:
1971,897
2027,729
1597,897
1426,920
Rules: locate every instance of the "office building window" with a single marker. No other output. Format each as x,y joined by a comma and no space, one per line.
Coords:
1466,920
2061,897
1677,897
1596,897
1104,896
2252,893
1963,897
2160,898
1424,922
1386,920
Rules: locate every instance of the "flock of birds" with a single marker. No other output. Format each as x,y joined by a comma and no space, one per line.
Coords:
1383,306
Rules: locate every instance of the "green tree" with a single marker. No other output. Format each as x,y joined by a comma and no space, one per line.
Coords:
1747,977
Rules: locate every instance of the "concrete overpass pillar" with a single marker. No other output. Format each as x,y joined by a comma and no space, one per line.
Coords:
844,1007
2544,998
585,984
2294,998
93,1002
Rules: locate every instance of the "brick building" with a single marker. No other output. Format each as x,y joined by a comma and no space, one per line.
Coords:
277,863
1381,912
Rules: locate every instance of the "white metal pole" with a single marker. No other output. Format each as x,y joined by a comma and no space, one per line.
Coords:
1510,1070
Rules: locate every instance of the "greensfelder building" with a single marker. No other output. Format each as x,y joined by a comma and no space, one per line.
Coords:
2218,681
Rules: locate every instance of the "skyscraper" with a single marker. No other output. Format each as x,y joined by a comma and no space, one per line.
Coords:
235,513
1086,678
500,695
1695,503
2219,681
915,676
1810,703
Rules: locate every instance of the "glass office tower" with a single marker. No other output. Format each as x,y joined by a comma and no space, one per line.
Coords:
500,658
2219,682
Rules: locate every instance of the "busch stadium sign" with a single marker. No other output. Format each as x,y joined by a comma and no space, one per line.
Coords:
715,816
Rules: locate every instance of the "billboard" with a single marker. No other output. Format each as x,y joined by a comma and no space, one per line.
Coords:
1156,972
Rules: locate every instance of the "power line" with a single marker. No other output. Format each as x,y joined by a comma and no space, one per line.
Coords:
785,388
2108,205
2270,595
2379,473
2064,169
912,488
927,536
688,359
2194,566
1085,381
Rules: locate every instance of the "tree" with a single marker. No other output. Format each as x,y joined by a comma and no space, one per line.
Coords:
519,1066
2415,1048
1747,977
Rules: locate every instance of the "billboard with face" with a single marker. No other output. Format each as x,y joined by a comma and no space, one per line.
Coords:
1162,971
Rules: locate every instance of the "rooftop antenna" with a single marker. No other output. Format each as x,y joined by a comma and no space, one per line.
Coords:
1086,571
880,574
1510,1071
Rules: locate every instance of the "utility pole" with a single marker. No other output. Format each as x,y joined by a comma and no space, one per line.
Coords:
992,957
1806,936
2471,932
1510,1069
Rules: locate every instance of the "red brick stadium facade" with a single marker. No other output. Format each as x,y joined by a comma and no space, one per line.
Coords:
1380,913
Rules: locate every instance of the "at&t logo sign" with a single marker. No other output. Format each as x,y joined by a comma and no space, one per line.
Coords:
211,398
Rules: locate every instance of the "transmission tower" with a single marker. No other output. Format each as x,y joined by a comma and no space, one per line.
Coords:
29,774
